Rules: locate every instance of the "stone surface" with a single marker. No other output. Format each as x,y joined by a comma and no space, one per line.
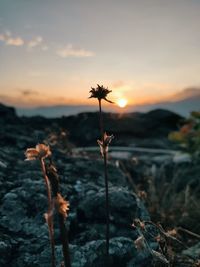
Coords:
23,203
24,240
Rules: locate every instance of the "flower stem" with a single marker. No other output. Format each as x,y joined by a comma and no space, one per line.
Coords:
107,208
54,180
64,241
49,213
101,119
106,185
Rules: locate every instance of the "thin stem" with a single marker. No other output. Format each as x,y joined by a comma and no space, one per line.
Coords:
188,232
106,184
107,208
47,183
101,120
49,213
54,180
64,241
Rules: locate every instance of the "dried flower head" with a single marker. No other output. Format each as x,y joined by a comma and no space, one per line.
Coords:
63,205
41,151
100,93
103,144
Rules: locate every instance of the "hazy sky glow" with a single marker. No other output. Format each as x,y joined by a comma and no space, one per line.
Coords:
52,52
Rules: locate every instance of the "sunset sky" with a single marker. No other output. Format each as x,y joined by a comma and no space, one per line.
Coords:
52,52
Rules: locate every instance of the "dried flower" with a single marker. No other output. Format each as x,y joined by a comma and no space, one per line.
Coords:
103,144
100,93
63,205
41,151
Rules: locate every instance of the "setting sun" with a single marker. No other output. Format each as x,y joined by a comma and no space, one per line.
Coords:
122,102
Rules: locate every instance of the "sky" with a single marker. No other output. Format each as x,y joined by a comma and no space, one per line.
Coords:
53,52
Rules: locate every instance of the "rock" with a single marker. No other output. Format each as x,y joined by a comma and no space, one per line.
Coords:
24,202
93,253
7,112
123,207
6,247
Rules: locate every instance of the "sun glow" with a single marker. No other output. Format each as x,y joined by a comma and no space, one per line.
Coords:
122,102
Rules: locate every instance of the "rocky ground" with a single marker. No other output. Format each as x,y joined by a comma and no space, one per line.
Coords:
146,187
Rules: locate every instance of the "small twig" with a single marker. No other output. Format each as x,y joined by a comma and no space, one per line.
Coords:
166,235
188,232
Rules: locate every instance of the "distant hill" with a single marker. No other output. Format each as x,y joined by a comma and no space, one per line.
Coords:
186,94
55,111
182,107
181,103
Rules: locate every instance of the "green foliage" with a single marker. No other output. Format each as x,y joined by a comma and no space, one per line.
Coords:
188,135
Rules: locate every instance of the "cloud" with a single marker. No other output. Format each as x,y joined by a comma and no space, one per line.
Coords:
71,51
118,84
15,41
9,40
27,92
44,47
35,42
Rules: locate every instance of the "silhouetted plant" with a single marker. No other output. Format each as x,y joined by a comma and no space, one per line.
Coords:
42,152
101,94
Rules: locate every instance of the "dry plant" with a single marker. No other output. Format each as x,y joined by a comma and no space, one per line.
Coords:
101,94
41,152
167,243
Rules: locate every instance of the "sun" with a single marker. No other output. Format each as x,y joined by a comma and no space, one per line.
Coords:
122,102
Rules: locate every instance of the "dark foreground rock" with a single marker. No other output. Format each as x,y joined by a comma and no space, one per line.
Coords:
172,190
24,238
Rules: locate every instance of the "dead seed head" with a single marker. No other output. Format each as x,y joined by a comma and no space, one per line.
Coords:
63,205
41,151
100,93
103,144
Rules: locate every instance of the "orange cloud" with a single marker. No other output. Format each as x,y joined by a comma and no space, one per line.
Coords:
9,40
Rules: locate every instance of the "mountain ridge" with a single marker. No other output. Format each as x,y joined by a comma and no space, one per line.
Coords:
181,103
